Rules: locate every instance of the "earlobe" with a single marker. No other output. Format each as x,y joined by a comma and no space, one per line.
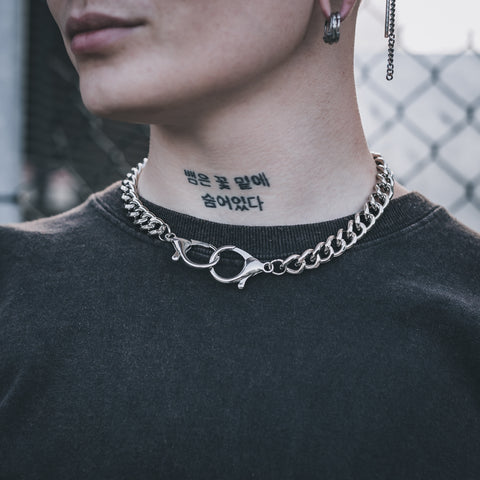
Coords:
325,7
347,7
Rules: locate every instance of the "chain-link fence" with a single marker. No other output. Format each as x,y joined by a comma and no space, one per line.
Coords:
69,152
426,123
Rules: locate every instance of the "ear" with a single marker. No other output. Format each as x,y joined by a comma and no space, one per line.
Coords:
347,7
345,10
325,7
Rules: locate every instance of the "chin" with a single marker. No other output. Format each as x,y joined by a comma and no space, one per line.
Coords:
126,104
118,108
134,111
99,108
168,97
96,97
110,102
105,109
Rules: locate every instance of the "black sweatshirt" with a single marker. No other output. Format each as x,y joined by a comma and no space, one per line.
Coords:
118,363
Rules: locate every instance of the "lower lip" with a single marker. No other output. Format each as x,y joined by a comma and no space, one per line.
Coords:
95,41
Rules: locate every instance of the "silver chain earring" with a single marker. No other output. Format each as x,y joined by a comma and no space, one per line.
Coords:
332,29
390,34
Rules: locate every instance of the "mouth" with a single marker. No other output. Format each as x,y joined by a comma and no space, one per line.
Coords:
93,32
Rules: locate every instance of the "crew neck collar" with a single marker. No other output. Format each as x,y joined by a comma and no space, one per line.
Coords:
267,242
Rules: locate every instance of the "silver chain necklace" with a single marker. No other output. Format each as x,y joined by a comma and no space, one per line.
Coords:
323,252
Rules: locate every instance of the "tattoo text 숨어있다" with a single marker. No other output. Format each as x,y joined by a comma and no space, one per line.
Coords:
238,203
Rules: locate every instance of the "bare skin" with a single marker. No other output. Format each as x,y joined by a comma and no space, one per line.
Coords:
234,89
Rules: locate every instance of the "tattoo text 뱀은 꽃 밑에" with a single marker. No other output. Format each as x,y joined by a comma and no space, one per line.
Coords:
242,182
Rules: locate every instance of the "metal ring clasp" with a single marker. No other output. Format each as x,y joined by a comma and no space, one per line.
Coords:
182,246
252,266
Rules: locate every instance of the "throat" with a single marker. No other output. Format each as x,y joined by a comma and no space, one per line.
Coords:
272,195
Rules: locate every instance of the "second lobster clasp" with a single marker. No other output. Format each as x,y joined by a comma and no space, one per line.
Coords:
251,266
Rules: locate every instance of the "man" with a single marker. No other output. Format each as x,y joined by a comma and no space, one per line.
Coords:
117,362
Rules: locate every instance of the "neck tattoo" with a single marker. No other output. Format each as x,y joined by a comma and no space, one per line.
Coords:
237,193
334,246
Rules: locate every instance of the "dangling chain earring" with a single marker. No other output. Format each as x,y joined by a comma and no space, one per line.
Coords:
332,29
390,34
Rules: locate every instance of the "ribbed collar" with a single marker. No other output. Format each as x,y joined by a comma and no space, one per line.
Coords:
267,242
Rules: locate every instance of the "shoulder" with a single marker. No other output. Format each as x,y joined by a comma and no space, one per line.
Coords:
455,240
51,229
460,252
29,250
427,258
86,221
30,246
431,231
84,235
440,265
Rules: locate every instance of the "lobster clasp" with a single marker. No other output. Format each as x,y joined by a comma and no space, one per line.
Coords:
182,247
252,266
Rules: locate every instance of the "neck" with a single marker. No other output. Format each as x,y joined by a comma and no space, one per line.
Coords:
294,136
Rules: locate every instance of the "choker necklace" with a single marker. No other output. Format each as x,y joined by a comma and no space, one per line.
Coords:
323,252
